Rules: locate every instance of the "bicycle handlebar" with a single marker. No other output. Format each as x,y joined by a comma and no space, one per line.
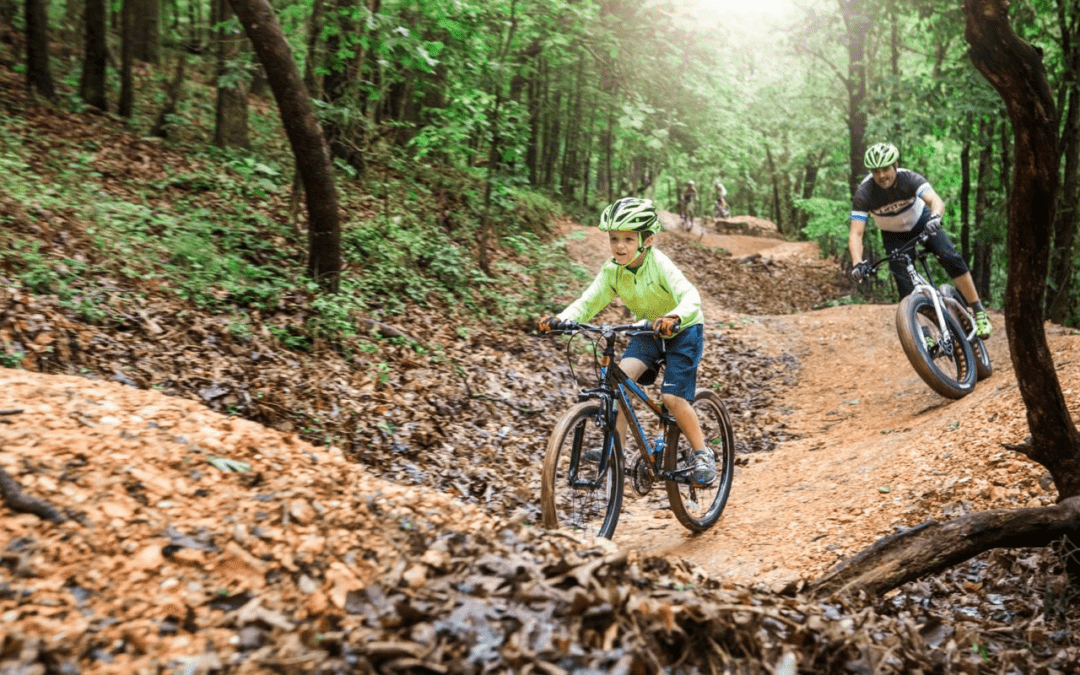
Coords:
643,327
902,251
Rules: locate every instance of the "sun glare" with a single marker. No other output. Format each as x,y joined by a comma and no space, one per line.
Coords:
743,9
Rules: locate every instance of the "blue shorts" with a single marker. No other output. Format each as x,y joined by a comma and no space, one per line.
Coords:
683,356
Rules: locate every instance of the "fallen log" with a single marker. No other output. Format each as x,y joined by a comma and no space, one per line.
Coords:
933,547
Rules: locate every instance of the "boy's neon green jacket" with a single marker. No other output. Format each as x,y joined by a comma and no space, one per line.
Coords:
657,288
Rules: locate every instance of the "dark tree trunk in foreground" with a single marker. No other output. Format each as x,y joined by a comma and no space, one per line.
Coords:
92,84
38,75
145,32
1015,69
305,136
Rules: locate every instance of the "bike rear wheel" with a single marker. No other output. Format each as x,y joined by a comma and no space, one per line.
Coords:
698,507
983,367
574,492
951,374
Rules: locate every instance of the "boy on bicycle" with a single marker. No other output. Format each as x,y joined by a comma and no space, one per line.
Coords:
653,288
904,206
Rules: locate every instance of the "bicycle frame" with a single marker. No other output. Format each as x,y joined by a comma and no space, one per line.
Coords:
922,285
615,387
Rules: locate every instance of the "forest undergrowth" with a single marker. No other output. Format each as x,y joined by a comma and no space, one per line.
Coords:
164,265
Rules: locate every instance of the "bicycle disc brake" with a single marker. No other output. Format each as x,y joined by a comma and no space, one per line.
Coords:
641,479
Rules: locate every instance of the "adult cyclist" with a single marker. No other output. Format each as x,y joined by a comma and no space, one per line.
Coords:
904,205
720,197
686,204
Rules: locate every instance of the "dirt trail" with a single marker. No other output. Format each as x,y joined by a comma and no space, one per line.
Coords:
877,449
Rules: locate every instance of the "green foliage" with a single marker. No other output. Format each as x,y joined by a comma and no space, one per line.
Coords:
829,221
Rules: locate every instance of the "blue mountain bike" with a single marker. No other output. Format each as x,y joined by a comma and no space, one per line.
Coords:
584,465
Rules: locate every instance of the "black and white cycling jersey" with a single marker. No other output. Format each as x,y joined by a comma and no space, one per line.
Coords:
896,209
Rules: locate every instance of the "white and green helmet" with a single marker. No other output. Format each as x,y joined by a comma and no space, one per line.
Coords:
880,155
630,214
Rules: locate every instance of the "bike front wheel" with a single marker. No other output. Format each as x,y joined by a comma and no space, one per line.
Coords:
697,506
983,367
576,493
950,373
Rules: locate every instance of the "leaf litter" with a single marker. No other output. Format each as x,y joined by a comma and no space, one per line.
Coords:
339,521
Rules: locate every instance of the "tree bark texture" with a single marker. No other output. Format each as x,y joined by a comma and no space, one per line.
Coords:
172,96
305,137
127,57
1015,69
147,43
231,112
980,268
92,82
857,24
38,74
1060,305
934,547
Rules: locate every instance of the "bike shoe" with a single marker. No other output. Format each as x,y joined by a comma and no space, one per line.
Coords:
982,325
704,467
928,340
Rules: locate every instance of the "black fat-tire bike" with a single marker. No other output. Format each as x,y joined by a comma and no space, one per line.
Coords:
585,493
936,329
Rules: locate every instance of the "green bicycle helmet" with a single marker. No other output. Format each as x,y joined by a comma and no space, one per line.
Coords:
630,213
880,155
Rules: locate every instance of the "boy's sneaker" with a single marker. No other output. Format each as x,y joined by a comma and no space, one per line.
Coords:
982,325
704,467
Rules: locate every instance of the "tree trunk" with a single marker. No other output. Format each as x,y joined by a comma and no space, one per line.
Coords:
983,255
92,83
305,137
857,24
231,113
1015,69
127,55
934,547
38,74
965,197
147,44
161,126
1061,305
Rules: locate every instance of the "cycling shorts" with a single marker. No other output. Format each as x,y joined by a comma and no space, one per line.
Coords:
683,357
940,244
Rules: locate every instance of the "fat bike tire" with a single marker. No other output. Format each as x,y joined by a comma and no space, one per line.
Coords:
950,374
574,494
983,367
698,507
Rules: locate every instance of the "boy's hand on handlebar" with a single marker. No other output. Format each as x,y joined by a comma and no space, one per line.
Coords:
549,324
666,325
933,226
860,271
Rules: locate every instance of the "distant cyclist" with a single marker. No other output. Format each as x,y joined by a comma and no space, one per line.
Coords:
904,205
720,197
686,204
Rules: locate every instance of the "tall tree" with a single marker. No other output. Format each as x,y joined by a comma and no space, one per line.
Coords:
38,73
146,31
305,137
231,111
127,55
92,84
1061,303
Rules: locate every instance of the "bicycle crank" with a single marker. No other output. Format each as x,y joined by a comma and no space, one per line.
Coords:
641,479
